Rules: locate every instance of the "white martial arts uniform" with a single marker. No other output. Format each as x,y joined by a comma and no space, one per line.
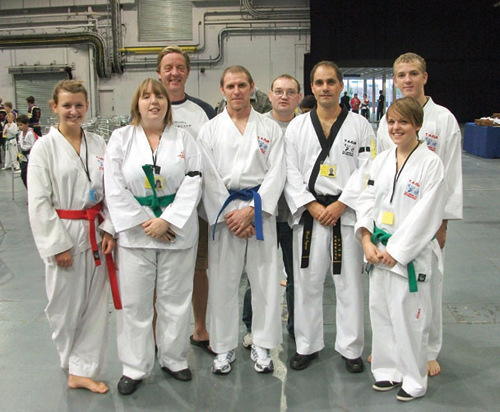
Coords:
233,161
10,134
144,262
78,295
442,135
350,155
401,319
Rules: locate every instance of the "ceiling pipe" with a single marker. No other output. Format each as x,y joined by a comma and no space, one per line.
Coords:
55,40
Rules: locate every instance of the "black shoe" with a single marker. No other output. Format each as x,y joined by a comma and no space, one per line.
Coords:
299,362
384,386
354,365
127,386
183,375
403,396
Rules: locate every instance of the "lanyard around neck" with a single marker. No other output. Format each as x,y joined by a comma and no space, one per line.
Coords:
398,172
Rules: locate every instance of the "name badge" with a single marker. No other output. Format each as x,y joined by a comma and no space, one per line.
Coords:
159,182
373,148
328,170
92,195
388,218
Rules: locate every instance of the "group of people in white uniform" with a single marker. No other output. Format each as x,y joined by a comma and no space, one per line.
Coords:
141,193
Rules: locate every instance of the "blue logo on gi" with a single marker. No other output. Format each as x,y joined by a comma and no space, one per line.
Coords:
263,144
412,190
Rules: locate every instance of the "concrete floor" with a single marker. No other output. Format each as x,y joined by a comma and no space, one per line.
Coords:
31,380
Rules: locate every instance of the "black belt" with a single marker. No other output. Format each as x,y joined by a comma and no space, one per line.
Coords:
307,220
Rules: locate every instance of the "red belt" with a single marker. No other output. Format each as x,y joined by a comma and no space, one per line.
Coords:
90,215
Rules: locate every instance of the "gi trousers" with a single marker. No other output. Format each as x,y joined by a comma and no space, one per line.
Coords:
309,285
78,313
400,324
228,255
170,271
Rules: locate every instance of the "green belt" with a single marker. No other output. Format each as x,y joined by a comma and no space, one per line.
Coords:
154,202
382,236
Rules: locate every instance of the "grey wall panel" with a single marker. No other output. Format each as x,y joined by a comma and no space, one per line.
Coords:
39,86
165,20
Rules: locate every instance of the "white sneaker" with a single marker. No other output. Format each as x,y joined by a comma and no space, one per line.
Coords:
262,359
248,340
222,362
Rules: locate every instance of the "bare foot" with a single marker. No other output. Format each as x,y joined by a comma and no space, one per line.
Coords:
283,282
369,360
433,368
80,382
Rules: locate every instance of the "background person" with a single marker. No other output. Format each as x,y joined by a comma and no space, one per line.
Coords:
365,107
34,115
10,135
25,140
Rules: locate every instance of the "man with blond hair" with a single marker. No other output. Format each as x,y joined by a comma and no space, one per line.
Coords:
442,135
173,67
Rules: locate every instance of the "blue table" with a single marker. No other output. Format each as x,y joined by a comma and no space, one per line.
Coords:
482,141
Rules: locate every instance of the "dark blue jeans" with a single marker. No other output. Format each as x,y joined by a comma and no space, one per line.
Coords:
285,240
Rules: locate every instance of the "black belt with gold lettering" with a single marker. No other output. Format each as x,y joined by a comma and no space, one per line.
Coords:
307,220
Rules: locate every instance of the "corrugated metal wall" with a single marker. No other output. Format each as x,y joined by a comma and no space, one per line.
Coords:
165,20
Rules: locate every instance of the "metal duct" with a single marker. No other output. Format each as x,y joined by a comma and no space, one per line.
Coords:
116,35
53,40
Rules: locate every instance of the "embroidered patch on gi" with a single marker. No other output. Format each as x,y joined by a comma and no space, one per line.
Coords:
418,313
432,141
349,147
263,144
100,161
412,190
181,154
421,277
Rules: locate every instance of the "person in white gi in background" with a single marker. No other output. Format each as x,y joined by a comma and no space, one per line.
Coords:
442,136
66,174
242,157
10,135
398,216
324,179
26,138
189,113
157,231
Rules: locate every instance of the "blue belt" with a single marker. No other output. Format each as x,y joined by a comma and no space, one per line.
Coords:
246,194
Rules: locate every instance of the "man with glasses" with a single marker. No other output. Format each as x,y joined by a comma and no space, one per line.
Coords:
285,96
